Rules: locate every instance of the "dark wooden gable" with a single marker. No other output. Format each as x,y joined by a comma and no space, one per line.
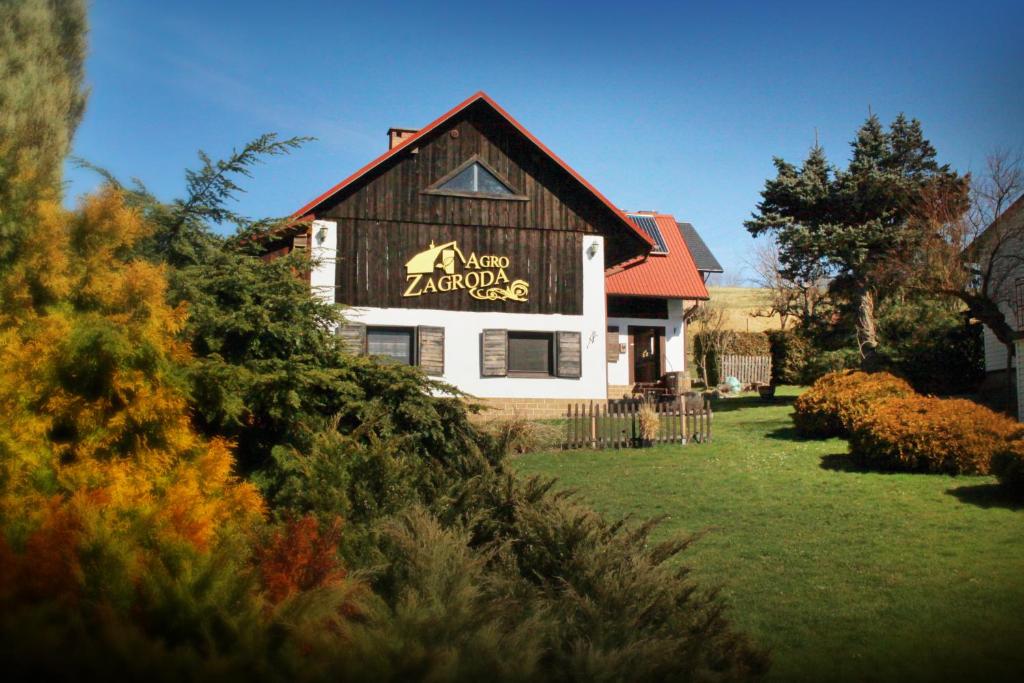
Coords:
398,191
394,211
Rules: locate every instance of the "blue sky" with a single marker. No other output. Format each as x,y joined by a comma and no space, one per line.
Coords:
678,107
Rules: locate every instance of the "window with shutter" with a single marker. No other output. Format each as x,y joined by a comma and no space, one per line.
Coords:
430,342
392,343
531,354
569,361
494,353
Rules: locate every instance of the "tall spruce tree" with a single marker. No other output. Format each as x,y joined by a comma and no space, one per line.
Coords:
851,222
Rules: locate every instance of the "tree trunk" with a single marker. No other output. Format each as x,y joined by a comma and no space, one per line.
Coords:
867,333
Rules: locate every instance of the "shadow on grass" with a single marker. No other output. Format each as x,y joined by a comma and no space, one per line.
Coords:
726,405
842,462
987,496
787,434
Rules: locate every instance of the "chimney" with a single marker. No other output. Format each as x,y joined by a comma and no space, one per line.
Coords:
397,136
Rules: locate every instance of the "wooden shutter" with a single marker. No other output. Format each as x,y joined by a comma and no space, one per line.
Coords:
612,345
353,337
430,349
569,354
494,353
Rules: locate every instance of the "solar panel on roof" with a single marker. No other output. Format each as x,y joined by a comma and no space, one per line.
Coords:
647,224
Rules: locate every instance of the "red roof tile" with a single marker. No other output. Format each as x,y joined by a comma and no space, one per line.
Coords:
673,275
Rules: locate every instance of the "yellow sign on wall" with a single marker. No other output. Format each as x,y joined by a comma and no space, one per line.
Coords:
483,277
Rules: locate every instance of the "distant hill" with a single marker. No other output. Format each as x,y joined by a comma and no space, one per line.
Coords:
741,303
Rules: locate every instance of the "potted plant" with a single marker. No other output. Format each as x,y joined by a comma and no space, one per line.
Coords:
767,392
647,420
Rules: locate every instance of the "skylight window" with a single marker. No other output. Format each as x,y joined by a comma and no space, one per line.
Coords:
647,224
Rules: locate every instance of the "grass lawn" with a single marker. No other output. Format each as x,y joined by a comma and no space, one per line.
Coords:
843,575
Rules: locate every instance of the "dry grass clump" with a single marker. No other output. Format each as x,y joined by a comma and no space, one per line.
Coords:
518,435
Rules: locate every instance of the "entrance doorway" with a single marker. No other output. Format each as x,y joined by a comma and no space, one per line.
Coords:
646,346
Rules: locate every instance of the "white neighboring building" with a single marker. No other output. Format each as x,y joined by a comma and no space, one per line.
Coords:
1008,228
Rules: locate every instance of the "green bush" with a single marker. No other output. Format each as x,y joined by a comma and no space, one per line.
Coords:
837,401
749,344
821,363
932,345
790,351
927,434
1008,465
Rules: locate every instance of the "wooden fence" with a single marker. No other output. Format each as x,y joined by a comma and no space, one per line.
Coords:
747,369
616,424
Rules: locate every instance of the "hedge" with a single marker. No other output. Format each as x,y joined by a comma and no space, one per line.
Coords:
789,352
1008,465
838,400
927,434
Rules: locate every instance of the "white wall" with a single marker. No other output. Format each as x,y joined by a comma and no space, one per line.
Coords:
324,254
995,350
463,329
675,342
1020,382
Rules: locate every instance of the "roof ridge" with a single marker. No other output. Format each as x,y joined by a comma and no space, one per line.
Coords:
478,96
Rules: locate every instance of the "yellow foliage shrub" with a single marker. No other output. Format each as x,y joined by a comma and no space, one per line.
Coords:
924,434
837,401
97,449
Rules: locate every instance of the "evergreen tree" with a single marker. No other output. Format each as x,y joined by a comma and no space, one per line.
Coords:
852,222
42,54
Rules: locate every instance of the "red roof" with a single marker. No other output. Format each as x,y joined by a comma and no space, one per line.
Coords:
673,275
411,142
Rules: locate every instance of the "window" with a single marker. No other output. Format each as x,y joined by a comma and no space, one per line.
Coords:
531,353
395,343
474,178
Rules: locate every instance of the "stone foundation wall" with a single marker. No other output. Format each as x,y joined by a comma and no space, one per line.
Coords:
527,408
617,391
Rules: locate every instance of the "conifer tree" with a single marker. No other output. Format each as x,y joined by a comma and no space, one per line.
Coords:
852,221
42,54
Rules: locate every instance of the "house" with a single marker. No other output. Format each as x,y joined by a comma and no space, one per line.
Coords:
472,250
999,250
649,300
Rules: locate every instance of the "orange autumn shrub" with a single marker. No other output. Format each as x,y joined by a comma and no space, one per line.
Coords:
300,557
925,434
837,401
